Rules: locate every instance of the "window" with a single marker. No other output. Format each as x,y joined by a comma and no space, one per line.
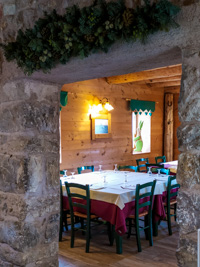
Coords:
141,133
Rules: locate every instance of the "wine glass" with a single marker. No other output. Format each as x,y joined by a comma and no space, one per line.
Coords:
115,170
100,169
65,173
72,173
125,177
158,174
104,179
149,171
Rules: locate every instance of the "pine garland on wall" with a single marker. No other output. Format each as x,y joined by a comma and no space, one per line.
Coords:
80,32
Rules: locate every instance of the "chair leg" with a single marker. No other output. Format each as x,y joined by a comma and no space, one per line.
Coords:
129,227
138,235
111,233
61,227
169,221
175,206
146,221
65,220
150,231
82,225
88,235
72,232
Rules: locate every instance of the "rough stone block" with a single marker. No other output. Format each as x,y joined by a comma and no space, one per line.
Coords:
14,174
187,251
45,255
18,235
41,206
52,173
52,228
189,136
12,205
188,210
189,99
41,116
27,90
21,174
9,10
188,174
11,257
15,143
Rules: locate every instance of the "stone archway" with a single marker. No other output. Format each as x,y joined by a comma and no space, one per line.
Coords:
29,189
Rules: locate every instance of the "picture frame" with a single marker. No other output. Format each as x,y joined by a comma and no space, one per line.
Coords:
101,126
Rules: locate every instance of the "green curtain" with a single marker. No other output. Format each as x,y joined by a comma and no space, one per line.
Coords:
63,99
142,106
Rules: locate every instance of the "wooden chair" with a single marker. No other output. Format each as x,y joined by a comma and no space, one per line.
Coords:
80,169
64,214
145,161
135,168
171,202
154,165
160,159
84,206
147,213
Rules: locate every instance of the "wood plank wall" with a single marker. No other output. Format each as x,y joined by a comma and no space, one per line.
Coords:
176,125
77,147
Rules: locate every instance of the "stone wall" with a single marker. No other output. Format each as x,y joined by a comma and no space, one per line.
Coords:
29,138
29,171
189,160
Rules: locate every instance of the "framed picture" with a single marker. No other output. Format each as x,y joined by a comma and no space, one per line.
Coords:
101,126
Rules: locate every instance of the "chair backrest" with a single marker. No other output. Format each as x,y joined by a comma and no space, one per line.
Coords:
160,159
62,173
80,169
83,194
170,187
139,195
135,168
144,160
154,165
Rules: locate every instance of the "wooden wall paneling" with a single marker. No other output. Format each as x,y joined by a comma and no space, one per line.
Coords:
169,127
77,147
177,123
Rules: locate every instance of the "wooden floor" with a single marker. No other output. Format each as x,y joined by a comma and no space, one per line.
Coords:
162,254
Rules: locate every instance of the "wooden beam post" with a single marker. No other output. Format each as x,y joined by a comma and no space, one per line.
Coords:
168,130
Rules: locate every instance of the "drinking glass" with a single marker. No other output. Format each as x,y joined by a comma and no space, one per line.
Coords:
115,170
149,172
159,173
65,173
104,179
72,173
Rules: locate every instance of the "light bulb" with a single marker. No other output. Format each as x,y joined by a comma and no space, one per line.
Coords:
108,106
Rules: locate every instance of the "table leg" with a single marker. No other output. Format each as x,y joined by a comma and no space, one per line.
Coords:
118,243
155,228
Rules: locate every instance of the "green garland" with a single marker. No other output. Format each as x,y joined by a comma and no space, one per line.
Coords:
80,32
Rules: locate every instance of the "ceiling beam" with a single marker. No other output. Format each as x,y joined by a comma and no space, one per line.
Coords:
164,84
159,73
173,90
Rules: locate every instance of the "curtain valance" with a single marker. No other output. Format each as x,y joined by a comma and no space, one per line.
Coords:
63,99
142,106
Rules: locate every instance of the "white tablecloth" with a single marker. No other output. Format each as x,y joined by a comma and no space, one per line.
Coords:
115,190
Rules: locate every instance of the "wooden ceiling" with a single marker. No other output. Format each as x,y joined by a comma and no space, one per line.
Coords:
166,77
